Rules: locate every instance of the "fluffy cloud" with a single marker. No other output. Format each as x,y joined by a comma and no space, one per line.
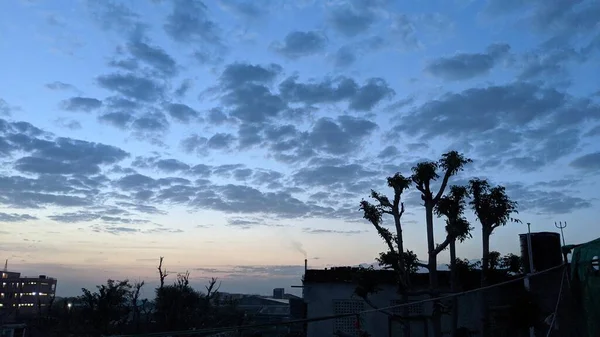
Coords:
299,44
464,66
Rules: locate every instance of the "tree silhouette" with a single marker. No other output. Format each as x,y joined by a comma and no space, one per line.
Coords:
424,174
493,209
452,206
395,255
396,258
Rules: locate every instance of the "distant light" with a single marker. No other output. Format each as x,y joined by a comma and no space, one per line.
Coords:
69,305
34,293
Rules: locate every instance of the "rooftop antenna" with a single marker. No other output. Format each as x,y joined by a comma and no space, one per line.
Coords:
6,265
561,226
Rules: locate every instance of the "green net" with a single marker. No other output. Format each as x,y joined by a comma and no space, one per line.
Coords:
586,278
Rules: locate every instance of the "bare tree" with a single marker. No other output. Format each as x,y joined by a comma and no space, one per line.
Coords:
162,273
424,174
137,287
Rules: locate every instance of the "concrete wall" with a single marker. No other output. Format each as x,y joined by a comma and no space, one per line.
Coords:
320,299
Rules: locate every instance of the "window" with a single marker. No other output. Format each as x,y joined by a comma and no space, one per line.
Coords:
596,263
413,309
347,324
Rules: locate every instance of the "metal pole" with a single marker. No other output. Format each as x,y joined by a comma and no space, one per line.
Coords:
526,280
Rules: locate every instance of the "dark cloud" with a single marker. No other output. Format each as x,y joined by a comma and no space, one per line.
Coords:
86,104
171,165
515,120
352,18
465,66
239,74
189,22
194,144
181,112
184,87
118,119
340,138
245,223
336,177
589,162
115,230
300,44
154,56
220,141
544,202
132,86
60,155
557,18
548,63
13,217
114,16
151,122
331,231
216,116
57,85
361,98
5,109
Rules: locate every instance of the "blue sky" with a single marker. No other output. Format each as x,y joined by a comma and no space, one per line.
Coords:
233,136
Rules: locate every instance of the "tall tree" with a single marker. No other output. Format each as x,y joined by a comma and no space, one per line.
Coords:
424,174
452,206
395,258
493,209
395,255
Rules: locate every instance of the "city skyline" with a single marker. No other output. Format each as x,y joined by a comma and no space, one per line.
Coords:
236,138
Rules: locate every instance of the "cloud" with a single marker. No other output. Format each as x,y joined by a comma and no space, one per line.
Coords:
181,112
545,202
13,217
154,56
85,104
331,231
171,165
299,44
114,16
185,86
245,223
347,54
465,66
505,121
589,162
220,141
189,21
132,86
239,74
57,85
361,98
68,124
353,18
119,119
250,10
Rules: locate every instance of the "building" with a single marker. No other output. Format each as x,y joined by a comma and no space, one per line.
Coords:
23,295
278,293
331,292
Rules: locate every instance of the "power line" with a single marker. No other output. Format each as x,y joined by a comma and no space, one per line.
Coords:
562,281
326,318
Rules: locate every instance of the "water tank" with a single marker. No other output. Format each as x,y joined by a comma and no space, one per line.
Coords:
42,276
546,250
278,293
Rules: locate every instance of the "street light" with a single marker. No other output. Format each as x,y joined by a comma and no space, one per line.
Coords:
69,305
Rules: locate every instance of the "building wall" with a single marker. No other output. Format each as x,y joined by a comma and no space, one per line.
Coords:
326,299
25,295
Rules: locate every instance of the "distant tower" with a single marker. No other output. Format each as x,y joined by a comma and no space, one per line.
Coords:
6,265
278,293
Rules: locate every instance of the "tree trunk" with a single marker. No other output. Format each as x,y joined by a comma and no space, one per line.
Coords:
436,318
485,262
453,288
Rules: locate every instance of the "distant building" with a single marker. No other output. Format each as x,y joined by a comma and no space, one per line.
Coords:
278,293
23,295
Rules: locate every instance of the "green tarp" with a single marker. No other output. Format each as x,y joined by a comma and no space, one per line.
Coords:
586,276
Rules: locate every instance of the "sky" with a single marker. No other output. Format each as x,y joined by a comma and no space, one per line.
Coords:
234,138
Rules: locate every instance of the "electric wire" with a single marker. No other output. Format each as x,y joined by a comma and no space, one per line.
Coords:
329,317
562,281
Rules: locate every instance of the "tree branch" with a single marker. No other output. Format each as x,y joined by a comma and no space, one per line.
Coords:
443,246
443,187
